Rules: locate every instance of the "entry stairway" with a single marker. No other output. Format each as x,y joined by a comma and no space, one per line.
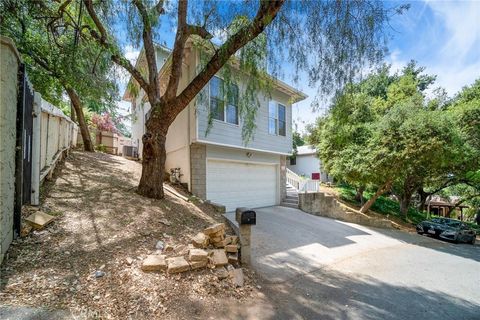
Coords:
292,197
296,184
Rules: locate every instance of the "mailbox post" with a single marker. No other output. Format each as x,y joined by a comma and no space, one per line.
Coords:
246,218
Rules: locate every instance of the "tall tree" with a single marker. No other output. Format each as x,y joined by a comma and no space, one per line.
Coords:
342,35
381,133
58,61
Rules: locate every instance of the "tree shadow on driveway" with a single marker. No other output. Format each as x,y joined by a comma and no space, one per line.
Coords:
463,250
328,294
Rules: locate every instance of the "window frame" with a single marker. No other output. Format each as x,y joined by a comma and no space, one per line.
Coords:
226,103
277,118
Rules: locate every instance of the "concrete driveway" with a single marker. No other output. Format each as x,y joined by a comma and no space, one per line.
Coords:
320,268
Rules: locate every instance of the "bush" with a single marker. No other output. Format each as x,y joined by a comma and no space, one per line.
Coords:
101,148
383,205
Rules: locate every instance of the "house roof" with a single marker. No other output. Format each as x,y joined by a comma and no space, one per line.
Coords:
282,86
306,150
445,204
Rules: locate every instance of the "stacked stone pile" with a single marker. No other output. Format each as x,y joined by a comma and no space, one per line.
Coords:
211,248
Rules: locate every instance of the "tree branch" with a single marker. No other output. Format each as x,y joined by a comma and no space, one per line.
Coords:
199,31
159,7
154,88
102,39
178,47
265,15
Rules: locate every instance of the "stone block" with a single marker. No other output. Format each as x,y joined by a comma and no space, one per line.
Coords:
217,238
231,248
197,255
200,240
219,258
214,229
198,264
177,264
39,219
220,244
154,262
232,258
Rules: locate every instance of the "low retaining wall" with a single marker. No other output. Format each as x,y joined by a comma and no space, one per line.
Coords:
326,205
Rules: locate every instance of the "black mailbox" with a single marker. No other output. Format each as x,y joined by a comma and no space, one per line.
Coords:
245,216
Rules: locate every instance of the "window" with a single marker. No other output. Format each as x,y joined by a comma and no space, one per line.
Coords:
277,123
272,118
282,127
216,99
232,106
218,96
293,161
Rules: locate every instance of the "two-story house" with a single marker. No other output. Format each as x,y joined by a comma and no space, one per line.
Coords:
216,164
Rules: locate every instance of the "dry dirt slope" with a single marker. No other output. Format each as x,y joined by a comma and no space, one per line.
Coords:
100,223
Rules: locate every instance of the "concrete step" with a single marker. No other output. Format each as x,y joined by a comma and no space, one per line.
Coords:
290,205
292,198
290,201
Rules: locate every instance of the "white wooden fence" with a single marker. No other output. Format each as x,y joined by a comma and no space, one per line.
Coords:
53,134
302,184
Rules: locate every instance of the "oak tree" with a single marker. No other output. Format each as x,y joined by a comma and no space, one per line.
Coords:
330,41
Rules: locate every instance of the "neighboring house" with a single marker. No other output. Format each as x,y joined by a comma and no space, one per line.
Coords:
110,142
307,164
217,165
122,143
439,206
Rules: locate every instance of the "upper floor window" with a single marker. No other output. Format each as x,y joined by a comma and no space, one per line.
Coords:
277,119
220,110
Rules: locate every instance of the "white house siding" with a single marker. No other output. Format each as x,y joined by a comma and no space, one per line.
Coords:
138,122
230,134
308,164
177,147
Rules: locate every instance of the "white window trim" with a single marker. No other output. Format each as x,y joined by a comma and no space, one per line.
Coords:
225,103
277,120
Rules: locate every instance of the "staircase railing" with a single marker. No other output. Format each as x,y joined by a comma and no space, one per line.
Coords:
302,184
293,179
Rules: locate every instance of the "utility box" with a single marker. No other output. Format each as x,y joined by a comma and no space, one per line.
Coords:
245,216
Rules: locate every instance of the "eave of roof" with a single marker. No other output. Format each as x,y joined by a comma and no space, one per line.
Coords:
295,94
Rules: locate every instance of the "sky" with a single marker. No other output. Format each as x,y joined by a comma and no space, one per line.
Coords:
443,36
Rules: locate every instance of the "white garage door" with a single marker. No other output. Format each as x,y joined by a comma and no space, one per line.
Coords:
239,184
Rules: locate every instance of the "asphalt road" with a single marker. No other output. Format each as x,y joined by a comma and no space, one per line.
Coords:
320,268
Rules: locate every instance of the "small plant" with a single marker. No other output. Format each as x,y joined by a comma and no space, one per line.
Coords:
101,148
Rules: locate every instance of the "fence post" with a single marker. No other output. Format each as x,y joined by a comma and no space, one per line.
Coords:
37,119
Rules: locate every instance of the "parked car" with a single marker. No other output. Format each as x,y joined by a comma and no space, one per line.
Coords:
447,229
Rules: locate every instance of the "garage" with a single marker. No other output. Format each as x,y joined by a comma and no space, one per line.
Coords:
242,184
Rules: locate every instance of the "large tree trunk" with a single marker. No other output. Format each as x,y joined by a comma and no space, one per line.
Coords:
153,164
359,195
73,113
423,198
405,203
384,188
77,105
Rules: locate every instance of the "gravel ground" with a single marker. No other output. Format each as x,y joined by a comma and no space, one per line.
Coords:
100,223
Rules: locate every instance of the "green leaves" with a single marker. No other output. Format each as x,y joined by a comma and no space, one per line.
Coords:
383,129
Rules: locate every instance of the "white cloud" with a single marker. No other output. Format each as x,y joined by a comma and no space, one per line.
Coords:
443,36
462,20
457,62
397,63
131,53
